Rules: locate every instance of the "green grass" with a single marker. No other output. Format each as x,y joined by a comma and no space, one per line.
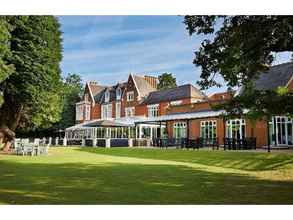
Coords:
146,176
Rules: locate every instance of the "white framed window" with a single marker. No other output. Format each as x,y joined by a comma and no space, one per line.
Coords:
79,112
118,93
178,102
281,130
153,110
130,96
208,129
129,112
235,128
107,96
87,112
195,100
106,111
179,130
118,109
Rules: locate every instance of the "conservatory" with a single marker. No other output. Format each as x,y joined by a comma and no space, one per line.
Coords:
115,131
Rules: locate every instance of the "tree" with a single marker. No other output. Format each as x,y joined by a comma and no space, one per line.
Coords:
5,68
32,93
72,90
166,81
239,48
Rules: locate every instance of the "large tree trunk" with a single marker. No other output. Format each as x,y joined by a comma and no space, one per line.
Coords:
10,115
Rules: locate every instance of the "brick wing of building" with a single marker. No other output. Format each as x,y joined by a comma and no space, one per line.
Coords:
136,112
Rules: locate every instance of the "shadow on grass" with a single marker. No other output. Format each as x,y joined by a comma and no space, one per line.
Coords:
114,183
249,161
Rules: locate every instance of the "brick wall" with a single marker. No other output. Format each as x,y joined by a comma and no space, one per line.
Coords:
96,111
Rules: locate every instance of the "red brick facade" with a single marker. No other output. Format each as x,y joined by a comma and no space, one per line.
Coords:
141,87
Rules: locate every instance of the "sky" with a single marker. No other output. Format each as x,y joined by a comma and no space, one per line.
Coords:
107,48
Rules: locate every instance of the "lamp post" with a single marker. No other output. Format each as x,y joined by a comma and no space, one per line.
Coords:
268,131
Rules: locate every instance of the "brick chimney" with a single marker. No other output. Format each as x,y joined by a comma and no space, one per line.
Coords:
153,81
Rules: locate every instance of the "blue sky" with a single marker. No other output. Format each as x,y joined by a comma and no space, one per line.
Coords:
108,48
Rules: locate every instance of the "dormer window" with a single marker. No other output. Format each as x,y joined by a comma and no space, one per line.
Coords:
107,96
118,94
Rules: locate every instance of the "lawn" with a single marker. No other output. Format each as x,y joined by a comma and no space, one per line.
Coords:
146,176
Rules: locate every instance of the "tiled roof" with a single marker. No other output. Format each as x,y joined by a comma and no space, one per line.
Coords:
142,85
112,89
276,76
180,92
96,89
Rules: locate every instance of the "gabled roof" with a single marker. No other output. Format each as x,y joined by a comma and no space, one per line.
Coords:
94,90
177,93
278,75
143,87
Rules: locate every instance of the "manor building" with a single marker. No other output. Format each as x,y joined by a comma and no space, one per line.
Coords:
137,110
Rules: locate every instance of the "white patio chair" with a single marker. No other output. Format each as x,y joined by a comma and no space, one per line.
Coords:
44,149
28,149
18,149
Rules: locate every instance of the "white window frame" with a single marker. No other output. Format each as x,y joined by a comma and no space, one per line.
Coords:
229,127
87,112
79,113
130,96
107,96
130,110
195,100
177,102
209,128
180,130
153,110
106,111
281,125
118,93
118,110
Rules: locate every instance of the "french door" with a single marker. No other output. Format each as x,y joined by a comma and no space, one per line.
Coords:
283,130
235,128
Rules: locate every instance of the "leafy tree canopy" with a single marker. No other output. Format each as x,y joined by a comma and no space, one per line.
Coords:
5,68
32,92
239,48
166,81
72,91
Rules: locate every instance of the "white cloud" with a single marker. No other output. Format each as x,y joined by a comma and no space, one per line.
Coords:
156,49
